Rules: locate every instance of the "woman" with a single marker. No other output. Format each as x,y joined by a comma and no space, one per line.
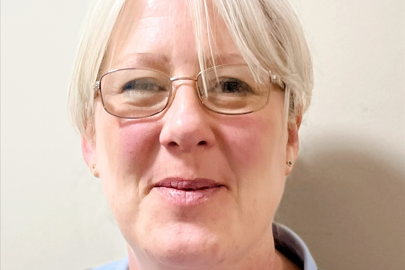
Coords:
189,114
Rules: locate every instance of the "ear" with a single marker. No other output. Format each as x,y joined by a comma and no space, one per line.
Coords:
90,155
292,143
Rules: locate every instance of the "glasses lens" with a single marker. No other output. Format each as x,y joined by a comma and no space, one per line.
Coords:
135,93
233,89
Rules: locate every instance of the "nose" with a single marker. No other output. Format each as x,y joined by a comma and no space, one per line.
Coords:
186,124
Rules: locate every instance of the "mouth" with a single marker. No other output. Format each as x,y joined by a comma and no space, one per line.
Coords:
187,192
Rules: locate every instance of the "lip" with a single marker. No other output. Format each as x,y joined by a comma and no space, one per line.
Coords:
179,191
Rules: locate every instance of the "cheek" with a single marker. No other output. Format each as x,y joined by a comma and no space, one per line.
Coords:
256,155
125,149
255,145
137,143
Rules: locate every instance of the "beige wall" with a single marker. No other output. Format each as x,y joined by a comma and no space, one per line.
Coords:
346,197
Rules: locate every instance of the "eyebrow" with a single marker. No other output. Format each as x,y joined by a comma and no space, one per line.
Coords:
161,62
146,60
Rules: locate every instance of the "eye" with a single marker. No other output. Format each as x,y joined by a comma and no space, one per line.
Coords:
144,84
231,86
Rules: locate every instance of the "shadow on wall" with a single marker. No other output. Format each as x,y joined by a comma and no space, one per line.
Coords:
348,205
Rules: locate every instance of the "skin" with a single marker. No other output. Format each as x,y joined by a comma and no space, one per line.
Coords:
246,154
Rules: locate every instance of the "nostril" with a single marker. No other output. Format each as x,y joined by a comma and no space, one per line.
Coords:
172,144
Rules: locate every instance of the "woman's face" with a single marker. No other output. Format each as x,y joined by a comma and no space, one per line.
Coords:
188,185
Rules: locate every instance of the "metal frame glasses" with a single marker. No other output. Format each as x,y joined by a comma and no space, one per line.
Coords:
227,89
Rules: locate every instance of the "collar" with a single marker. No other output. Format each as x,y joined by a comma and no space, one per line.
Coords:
292,246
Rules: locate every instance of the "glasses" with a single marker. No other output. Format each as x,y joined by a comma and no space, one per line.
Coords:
229,89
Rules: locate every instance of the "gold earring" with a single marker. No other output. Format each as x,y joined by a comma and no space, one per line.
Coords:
93,166
289,163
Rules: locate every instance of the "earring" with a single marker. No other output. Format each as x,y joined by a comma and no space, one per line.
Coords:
93,166
289,163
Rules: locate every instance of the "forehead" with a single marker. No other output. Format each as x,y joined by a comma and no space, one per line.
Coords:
161,33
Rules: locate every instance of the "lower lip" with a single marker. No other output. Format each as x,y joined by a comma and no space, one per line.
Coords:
186,197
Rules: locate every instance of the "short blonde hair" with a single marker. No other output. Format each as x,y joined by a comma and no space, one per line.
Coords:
267,33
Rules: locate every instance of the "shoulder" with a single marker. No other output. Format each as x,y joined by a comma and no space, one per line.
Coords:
117,265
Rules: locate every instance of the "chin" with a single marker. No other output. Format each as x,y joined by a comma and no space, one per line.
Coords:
185,245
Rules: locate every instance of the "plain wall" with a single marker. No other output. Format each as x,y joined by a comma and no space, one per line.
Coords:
345,198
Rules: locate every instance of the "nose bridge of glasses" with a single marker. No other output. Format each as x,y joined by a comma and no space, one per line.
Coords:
182,78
